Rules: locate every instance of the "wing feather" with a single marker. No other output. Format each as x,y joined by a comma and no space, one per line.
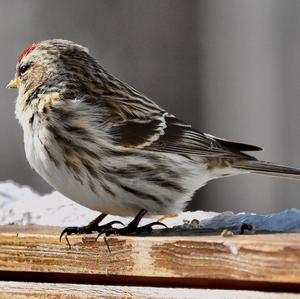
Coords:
138,122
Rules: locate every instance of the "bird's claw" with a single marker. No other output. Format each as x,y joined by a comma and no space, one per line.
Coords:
70,230
88,229
128,230
148,227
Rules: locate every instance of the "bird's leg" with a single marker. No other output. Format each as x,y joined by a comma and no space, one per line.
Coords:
88,229
132,227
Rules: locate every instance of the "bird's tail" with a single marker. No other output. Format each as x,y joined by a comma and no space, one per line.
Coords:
268,168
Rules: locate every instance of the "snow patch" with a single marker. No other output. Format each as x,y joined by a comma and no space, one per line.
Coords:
22,205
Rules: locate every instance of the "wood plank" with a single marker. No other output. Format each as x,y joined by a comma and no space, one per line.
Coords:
251,262
10,290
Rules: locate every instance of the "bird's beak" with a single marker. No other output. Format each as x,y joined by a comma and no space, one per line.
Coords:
14,83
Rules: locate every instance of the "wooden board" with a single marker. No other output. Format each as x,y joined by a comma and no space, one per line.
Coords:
259,262
11,290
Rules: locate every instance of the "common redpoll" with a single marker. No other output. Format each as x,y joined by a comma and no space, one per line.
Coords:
108,147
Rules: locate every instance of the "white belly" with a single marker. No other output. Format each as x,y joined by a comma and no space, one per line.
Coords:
119,201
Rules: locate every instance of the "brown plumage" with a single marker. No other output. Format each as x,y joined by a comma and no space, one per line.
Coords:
105,145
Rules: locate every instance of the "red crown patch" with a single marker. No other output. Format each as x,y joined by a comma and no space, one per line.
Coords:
26,51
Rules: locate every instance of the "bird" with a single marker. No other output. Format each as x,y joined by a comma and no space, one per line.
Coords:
108,147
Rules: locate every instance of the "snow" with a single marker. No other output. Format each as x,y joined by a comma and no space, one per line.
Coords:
22,205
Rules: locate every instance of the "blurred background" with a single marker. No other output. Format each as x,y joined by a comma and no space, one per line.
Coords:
230,68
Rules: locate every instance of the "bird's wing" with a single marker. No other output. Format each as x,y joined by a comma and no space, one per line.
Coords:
182,138
137,122
168,134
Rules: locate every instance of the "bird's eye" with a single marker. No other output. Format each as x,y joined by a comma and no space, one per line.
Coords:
23,69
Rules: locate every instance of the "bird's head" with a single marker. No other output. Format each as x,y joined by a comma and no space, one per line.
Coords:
52,65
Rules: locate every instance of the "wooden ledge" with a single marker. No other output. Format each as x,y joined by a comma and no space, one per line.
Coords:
254,262
12,290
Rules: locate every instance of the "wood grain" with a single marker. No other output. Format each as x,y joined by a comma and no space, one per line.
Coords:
251,262
11,290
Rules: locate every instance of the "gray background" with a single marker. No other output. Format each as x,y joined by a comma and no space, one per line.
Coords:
231,68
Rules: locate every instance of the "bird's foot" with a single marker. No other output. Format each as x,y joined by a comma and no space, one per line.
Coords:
87,229
129,230
132,227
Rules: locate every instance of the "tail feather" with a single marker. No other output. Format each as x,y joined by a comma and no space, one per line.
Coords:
268,168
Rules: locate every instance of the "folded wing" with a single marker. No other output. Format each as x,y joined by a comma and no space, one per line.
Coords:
137,122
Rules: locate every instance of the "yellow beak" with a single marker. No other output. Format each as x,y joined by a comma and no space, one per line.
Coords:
14,83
